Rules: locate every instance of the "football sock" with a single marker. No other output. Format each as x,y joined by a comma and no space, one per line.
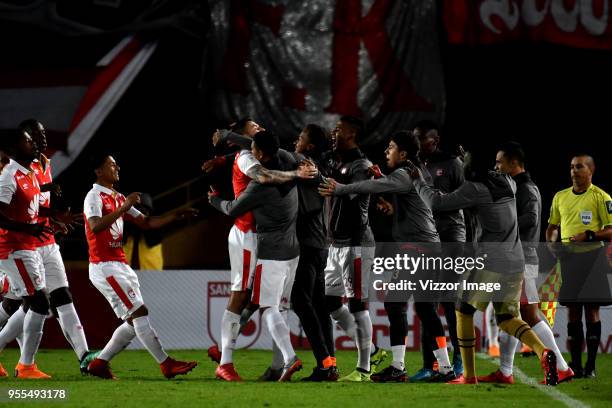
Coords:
543,331
466,335
279,332
364,339
147,336
441,353
399,353
521,330
575,338
492,329
507,348
593,336
121,338
230,324
73,331
33,324
12,328
347,321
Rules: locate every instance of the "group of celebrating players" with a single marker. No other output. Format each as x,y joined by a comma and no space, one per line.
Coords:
302,240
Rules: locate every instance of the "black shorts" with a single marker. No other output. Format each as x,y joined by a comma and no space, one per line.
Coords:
584,278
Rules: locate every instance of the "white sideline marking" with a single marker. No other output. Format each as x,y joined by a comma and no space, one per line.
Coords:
552,392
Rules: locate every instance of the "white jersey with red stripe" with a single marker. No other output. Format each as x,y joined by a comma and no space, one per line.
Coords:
43,175
21,191
242,164
106,246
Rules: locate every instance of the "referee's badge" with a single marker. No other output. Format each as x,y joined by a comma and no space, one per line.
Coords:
609,206
586,217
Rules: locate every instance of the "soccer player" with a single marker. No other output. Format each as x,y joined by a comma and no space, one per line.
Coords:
510,160
446,172
413,222
275,212
242,239
351,254
584,214
308,295
105,210
60,296
491,194
19,210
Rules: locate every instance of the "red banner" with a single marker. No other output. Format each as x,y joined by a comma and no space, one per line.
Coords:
576,23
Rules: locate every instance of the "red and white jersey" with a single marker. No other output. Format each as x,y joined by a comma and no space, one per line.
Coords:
106,246
44,177
242,164
19,188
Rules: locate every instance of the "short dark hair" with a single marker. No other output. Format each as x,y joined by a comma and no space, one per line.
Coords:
28,125
357,124
240,125
513,151
408,142
97,160
267,142
317,136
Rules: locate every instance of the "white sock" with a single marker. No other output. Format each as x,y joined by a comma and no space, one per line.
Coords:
347,321
73,331
399,352
33,324
444,364
230,325
364,339
12,328
507,348
279,332
278,361
3,316
543,331
147,336
492,329
122,336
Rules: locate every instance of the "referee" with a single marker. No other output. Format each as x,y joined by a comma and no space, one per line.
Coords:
583,213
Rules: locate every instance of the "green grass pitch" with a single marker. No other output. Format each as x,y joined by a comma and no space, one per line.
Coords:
141,385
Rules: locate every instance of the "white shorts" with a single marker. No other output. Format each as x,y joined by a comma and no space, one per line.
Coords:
530,295
25,273
273,281
119,285
55,272
242,247
348,271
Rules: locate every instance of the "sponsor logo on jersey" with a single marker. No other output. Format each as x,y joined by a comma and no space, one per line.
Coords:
33,207
116,229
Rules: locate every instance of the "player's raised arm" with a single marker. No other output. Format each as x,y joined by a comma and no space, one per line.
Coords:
146,222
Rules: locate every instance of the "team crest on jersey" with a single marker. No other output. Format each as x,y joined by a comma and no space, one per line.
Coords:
609,206
108,206
439,172
586,217
343,170
217,296
131,294
37,281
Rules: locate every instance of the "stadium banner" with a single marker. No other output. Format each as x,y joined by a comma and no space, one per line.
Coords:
288,63
578,23
186,308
